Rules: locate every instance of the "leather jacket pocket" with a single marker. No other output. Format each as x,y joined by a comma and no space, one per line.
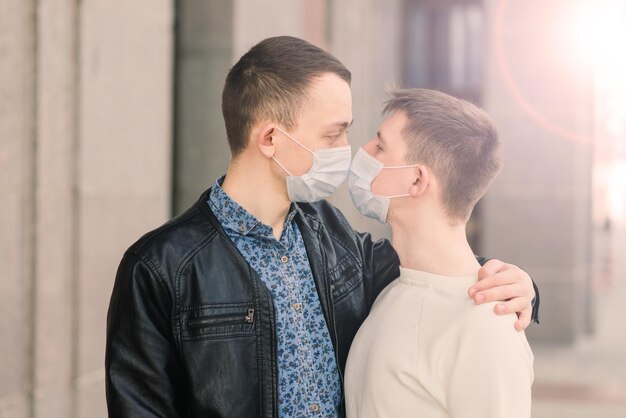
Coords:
217,321
345,277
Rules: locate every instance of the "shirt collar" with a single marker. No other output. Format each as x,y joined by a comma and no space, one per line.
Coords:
235,218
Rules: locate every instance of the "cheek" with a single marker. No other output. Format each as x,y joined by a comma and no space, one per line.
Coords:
302,163
382,183
296,159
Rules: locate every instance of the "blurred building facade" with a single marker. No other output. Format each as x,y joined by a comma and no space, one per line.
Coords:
110,123
85,151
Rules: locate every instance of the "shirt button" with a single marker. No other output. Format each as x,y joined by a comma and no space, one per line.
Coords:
242,228
297,306
284,259
315,407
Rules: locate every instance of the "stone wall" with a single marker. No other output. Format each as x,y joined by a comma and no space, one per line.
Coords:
85,149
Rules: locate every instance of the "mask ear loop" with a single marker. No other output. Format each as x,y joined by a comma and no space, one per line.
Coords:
401,166
282,166
398,195
295,140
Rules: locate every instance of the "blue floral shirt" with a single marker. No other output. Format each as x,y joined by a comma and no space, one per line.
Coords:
308,378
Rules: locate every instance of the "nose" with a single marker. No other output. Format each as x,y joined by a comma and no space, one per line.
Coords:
370,147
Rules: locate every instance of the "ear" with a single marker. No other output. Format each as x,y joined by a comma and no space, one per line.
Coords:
263,138
421,181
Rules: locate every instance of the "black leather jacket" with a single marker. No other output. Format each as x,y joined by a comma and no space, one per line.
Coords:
191,328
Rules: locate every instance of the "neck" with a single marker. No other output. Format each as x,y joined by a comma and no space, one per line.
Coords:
249,183
432,243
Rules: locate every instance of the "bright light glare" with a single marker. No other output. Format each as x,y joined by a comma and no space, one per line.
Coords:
600,37
601,30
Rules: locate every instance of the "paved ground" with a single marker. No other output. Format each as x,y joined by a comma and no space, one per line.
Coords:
588,380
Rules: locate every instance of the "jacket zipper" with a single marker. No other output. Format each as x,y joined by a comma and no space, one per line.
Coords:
221,319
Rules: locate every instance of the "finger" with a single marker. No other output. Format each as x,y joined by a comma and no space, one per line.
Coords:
498,294
495,280
511,306
511,277
501,294
491,267
524,320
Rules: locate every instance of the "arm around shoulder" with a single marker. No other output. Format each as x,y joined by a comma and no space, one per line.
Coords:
142,373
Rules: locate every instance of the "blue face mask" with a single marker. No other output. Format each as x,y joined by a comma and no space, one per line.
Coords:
329,170
363,171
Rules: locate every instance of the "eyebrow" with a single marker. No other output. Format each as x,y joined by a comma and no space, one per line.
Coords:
342,124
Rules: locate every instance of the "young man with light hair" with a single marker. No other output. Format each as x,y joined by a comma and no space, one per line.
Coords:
246,304
426,349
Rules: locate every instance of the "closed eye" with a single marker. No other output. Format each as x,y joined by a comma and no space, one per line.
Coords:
336,135
379,142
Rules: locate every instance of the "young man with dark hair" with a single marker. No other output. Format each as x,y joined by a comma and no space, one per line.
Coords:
246,304
424,346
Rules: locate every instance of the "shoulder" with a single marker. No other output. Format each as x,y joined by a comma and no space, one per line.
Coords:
483,318
482,321
494,336
176,239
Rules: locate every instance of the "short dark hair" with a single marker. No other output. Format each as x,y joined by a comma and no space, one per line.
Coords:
270,81
454,138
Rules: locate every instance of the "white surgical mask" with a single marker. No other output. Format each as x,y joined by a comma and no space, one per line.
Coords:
363,171
329,170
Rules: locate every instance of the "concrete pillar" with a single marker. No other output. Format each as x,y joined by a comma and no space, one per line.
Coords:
123,183
85,128
17,136
537,213
255,21
204,56
55,222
